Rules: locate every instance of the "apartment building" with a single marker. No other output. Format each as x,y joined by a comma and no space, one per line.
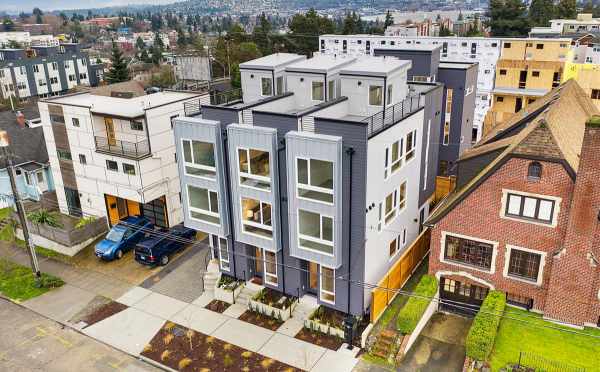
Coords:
319,184
524,216
459,79
584,23
484,51
527,70
112,152
45,71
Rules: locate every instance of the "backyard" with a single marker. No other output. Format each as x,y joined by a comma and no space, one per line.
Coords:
530,334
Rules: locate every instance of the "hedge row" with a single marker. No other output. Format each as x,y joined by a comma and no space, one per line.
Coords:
482,334
411,313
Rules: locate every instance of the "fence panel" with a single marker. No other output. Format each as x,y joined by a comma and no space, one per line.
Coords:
398,275
444,186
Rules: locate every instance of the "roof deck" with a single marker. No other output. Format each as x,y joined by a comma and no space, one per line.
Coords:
322,63
376,66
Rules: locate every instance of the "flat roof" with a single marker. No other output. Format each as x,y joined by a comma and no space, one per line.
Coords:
272,61
410,47
449,38
321,63
457,65
124,107
376,66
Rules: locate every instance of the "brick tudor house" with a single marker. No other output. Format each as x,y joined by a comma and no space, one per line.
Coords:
524,218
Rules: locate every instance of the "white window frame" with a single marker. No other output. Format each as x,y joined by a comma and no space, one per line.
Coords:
261,87
267,274
249,174
260,225
380,217
331,92
494,245
312,90
414,146
321,290
194,209
369,95
310,187
394,210
221,259
388,163
503,207
197,166
540,276
389,95
318,240
402,202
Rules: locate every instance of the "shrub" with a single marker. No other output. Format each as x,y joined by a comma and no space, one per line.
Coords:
50,281
411,313
482,334
45,217
84,221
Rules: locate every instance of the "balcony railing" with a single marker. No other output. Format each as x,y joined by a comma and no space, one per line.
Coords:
134,150
392,114
193,108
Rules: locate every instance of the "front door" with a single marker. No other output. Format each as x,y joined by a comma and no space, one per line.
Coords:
313,278
110,131
73,202
518,104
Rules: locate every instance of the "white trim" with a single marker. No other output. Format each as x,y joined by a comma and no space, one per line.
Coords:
439,274
198,210
543,255
317,240
272,86
221,260
250,175
314,188
312,97
556,211
321,285
369,95
197,166
443,250
265,273
256,224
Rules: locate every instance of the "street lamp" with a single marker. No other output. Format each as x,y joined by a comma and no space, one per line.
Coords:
5,151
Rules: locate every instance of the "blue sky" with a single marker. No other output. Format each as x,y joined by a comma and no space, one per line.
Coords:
12,6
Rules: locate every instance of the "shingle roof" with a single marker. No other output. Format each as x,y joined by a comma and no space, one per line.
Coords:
27,144
553,130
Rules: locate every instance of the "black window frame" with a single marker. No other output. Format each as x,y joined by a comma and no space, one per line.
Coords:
109,165
131,170
521,266
82,159
465,255
522,207
136,125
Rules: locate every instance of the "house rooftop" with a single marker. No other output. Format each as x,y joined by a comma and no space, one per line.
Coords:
272,62
376,66
457,65
321,63
28,144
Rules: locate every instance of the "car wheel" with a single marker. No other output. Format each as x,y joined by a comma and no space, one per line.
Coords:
164,260
119,254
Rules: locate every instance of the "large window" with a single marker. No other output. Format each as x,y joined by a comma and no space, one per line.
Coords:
391,204
315,179
270,268
315,232
203,205
266,85
529,208
199,158
318,91
411,144
375,95
256,217
394,157
468,252
524,265
402,196
327,285
254,168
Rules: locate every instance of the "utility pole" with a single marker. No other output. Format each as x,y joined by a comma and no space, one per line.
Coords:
6,152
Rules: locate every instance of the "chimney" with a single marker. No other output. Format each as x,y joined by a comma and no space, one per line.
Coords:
573,289
20,119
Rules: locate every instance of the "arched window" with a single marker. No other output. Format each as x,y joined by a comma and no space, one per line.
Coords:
535,170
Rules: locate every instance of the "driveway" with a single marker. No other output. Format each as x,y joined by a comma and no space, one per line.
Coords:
440,346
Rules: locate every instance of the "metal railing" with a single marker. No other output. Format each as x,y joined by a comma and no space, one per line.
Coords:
122,148
392,114
539,363
192,108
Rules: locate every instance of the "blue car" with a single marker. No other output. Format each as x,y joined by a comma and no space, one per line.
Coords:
122,237
156,248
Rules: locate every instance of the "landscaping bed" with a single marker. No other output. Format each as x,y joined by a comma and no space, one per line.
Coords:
102,312
18,282
261,320
273,304
321,339
217,306
183,349
228,288
327,316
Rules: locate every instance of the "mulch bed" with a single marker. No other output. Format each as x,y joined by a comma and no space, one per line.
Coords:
260,320
183,349
325,315
217,306
103,312
272,298
320,339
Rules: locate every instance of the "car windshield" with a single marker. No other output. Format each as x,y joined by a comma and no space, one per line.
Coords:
116,234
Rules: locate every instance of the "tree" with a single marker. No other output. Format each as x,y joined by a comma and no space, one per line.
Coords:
444,31
8,24
588,7
566,9
352,24
139,43
165,78
158,43
508,18
389,20
307,24
37,12
541,12
118,71
247,51
261,35
181,39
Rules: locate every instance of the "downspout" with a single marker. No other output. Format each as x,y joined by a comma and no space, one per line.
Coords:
281,200
229,202
350,152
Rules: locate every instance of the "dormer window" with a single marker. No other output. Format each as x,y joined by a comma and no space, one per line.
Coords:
534,171
318,91
375,95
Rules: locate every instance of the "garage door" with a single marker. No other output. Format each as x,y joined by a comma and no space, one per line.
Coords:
461,298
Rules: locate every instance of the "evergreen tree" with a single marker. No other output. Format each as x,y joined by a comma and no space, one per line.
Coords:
118,71
158,43
139,43
508,18
566,9
37,12
352,24
389,20
261,34
541,12
444,31
309,23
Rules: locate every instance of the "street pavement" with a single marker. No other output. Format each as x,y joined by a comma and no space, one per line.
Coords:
31,342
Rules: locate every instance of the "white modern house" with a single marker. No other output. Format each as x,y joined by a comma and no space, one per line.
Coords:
115,156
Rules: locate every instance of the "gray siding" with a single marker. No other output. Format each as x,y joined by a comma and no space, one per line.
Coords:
424,63
220,114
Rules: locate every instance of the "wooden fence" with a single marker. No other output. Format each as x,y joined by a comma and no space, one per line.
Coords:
444,186
397,276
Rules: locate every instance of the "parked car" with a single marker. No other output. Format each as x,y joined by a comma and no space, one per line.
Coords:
122,238
157,248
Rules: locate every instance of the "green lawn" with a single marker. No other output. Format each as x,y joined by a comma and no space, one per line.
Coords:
7,232
17,282
552,344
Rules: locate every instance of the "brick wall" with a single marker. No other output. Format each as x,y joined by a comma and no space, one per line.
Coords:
478,216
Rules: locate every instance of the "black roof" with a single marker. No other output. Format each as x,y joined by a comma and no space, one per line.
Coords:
27,144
